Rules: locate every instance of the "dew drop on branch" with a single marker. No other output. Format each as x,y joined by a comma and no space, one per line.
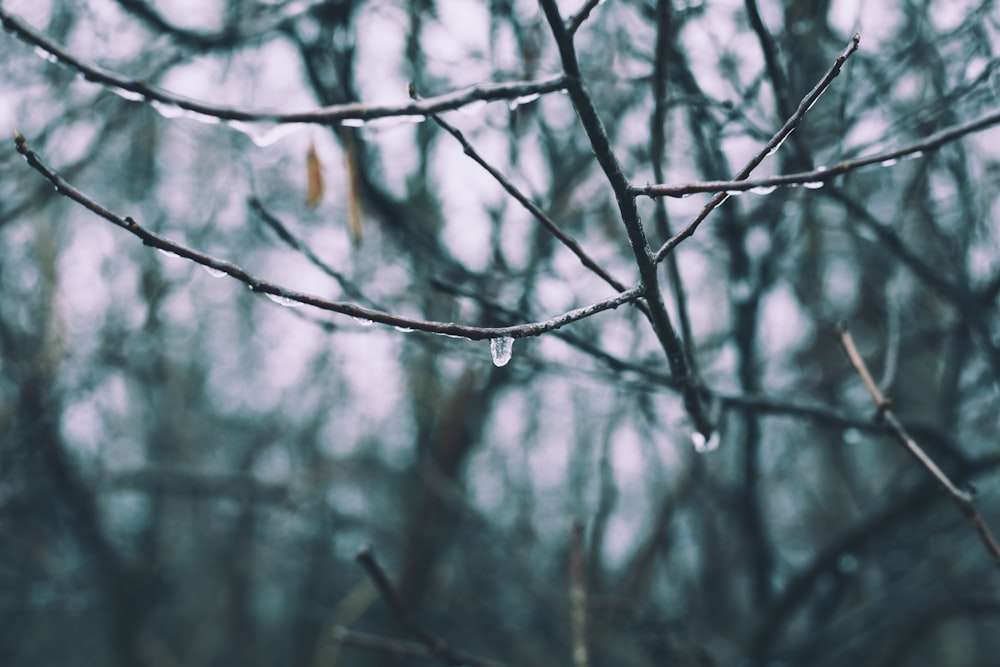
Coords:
703,445
215,273
283,300
764,189
47,56
501,350
129,95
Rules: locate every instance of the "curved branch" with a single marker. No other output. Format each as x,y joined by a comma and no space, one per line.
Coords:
139,90
287,297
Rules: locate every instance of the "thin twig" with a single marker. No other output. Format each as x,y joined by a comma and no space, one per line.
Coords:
140,90
822,175
775,142
884,406
437,646
289,297
578,597
575,21
401,648
529,205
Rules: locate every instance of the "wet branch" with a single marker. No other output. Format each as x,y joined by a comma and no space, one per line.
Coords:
772,145
288,297
139,90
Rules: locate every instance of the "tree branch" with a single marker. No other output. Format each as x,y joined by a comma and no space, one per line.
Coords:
884,406
775,142
287,297
139,90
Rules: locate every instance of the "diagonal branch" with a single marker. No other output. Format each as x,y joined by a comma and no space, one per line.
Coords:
436,646
287,297
884,406
822,175
774,144
139,90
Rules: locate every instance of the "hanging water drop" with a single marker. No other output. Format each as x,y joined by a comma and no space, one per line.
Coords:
813,185
522,100
265,134
764,189
215,273
129,95
703,445
167,110
501,350
353,122
888,163
47,56
283,300
362,321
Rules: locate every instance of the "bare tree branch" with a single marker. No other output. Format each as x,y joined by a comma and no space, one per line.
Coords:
601,144
287,297
884,406
775,142
139,90
436,646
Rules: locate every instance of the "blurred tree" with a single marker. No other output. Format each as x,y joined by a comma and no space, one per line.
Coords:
188,471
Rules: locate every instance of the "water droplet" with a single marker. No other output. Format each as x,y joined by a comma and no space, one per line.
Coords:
167,110
353,122
265,134
764,189
888,163
386,123
47,56
215,273
813,185
167,253
913,156
129,95
703,445
779,144
201,117
732,193
403,329
283,300
501,350
362,321
522,100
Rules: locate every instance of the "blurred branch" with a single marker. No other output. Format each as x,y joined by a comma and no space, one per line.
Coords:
775,142
139,89
884,406
287,297
400,647
774,618
578,596
436,646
